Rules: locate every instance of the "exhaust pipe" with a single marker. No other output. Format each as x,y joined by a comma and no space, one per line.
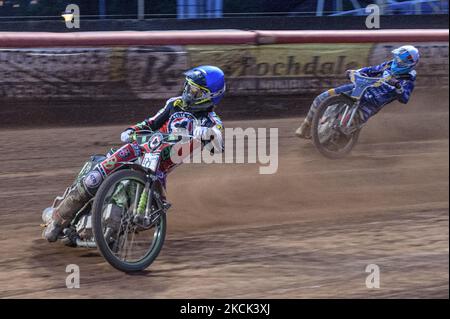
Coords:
86,243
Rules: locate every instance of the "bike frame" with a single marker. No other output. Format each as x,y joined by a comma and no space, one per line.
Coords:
153,176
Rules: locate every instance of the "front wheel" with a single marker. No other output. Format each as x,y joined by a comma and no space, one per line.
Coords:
129,232
327,137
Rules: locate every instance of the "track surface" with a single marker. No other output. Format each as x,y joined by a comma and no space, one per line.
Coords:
309,230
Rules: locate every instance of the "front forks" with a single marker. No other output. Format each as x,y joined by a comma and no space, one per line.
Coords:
346,122
147,214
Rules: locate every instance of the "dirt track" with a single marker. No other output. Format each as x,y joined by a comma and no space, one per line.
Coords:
307,231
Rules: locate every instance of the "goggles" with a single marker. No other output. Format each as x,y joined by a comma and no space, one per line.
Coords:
195,92
404,59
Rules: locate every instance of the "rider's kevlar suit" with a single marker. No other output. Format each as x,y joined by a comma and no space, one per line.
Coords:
172,118
375,98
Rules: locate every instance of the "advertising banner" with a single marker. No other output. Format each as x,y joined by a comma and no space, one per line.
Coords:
92,73
60,73
282,69
156,72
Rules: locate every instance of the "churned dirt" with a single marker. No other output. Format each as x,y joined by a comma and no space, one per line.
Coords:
307,231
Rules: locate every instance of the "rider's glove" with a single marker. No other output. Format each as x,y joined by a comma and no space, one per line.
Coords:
348,74
126,136
201,133
396,83
393,81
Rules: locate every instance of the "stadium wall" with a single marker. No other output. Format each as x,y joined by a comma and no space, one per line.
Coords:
50,78
148,65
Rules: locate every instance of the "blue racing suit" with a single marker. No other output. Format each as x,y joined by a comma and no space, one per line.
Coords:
375,98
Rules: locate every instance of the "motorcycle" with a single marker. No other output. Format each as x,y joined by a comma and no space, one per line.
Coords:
336,124
126,219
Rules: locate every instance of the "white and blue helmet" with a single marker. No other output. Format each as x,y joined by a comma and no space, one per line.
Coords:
405,59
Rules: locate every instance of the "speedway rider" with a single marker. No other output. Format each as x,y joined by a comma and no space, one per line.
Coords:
401,74
194,112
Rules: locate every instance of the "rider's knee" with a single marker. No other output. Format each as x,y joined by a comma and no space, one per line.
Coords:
315,104
92,181
321,97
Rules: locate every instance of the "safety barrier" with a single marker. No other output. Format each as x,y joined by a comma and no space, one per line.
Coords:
133,38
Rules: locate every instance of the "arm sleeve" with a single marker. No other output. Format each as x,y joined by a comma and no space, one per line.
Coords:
215,133
408,87
155,122
374,71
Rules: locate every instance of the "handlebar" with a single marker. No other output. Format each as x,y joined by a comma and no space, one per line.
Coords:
355,74
360,79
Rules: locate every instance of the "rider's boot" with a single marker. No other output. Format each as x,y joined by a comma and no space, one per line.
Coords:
304,131
66,210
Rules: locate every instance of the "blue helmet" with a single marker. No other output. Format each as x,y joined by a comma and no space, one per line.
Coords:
204,87
405,59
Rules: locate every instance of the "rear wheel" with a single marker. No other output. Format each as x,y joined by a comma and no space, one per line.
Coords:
329,140
128,237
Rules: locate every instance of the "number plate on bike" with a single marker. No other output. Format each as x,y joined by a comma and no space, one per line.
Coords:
150,161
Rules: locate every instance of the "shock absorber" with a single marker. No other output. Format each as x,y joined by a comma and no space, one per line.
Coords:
143,202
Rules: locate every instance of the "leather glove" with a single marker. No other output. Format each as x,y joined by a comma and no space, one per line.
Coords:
126,137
